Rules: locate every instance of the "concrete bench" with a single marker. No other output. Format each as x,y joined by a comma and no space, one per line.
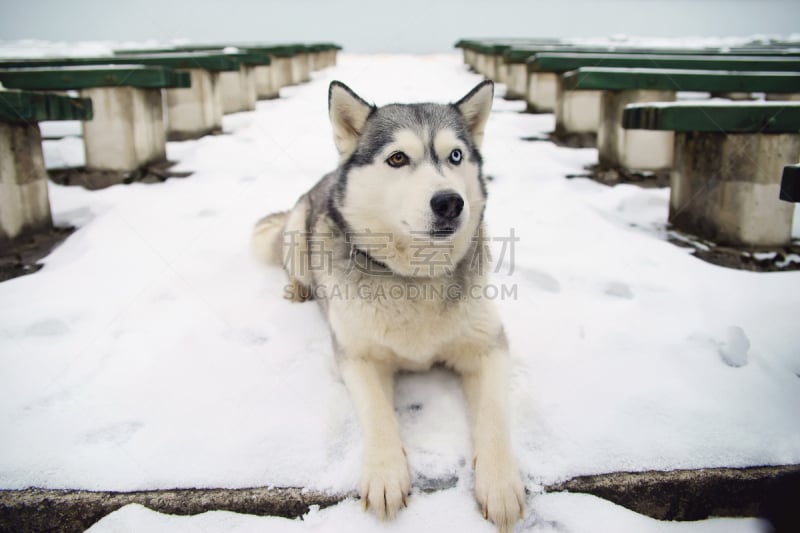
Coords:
289,64
191,112
24,201
237,86
578,113
127,130
542,87
482,55
486,56
638,150
725,180
505,59
324,55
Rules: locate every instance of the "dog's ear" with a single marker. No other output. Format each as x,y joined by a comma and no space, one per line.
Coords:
475,108
348,113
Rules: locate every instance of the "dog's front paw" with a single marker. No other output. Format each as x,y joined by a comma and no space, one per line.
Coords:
385,481
499,491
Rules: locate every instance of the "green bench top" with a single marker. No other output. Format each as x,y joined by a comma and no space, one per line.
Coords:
501,46
211,59
620,79
277,50
25,106
483,45
714,116
84,77
563,62
523,54
181,60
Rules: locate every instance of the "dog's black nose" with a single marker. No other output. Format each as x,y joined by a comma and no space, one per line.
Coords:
447,204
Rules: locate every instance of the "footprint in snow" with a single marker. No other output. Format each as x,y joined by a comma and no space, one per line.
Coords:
115,434
542,280
734,351
47,328
619,290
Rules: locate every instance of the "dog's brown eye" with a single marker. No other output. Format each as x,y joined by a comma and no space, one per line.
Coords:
397,159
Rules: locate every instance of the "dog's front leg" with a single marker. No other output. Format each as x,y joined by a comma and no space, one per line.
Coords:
498,487
385,481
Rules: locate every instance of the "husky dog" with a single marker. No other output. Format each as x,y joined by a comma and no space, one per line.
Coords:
392,246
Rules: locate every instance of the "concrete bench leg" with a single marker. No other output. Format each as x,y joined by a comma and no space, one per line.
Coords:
725,187
238,90
305,67
481,61
24,202
737,96
127,131
469,58
197,110
491,67
281,72
265,90
517,86
500,70
541,94
577,112
296,72
249,93
632,149
784,97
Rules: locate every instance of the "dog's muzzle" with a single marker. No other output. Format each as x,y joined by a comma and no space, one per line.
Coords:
447,207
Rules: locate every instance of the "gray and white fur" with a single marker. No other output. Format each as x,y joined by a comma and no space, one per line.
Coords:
392,246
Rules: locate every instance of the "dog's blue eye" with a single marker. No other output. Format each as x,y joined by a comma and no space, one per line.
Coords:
455,156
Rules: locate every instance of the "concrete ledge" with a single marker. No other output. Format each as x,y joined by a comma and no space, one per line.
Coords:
768,492
67,511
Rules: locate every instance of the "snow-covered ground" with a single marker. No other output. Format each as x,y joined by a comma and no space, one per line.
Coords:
153,352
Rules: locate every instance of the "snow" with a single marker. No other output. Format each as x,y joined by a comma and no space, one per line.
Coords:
153,352
442,511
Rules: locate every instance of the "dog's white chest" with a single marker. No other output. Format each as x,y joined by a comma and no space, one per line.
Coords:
405,319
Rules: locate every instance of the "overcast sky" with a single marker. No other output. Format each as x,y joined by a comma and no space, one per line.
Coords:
398,26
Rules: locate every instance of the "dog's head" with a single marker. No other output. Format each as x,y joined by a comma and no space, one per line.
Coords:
410,174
